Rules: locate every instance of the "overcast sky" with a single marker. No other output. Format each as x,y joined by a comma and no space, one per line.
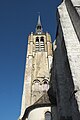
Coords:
17,19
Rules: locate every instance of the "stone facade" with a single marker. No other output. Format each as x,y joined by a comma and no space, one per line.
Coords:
66,63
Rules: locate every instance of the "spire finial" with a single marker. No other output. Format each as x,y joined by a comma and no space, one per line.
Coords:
39,26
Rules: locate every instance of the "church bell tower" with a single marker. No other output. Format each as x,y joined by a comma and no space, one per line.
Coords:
35,101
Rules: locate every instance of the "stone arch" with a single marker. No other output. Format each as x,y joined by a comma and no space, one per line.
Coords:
37,39
47,115
45,85
36,85
42,39
42,43
37,44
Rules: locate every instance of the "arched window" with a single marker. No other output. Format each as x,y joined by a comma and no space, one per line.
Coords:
38,27
37,39
42,43
36,85
48,115
37,43
45,85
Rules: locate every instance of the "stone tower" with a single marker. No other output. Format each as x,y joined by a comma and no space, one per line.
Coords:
35,101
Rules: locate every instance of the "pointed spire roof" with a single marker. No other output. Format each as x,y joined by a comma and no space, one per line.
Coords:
39,20
39,26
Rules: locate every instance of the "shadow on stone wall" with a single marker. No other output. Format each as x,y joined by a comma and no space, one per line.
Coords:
61,81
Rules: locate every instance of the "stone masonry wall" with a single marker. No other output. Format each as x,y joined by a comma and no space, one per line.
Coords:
62,76
67,62
73,7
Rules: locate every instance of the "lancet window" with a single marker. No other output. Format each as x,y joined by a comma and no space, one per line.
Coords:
39,44
48,115
42,43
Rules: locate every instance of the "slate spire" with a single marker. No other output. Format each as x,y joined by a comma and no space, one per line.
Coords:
39,26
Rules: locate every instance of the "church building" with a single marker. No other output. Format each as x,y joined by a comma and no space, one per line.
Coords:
51,88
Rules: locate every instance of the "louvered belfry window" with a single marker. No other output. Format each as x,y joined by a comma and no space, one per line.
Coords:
42,43
39,44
